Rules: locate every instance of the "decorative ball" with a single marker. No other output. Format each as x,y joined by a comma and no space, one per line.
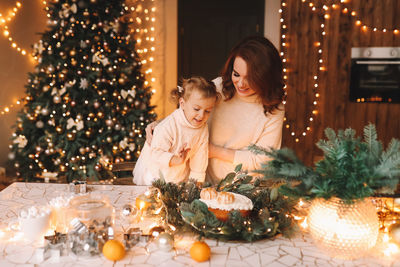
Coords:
128,210
117,126
88,133
200,251
165,241
39,124
97,167
59,129
114,250
70,136
109,139
56,99
156,231
45,112
11,156
96,104
72,52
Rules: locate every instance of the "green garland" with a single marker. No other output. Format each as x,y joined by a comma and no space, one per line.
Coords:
352,168
269,217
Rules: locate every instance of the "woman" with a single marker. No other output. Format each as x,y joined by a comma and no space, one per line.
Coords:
251,111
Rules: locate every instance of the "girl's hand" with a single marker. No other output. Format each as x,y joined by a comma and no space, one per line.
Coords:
180,158
149,131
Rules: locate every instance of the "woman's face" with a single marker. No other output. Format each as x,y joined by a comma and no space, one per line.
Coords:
239,78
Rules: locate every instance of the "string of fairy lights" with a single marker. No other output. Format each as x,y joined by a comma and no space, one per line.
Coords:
320,67
326,9
143,22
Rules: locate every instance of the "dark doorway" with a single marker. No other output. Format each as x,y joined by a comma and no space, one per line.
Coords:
208,29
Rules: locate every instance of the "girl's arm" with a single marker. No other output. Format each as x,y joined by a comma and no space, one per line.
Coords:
199,159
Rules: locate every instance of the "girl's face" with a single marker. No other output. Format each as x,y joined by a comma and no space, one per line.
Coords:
239,78
197,108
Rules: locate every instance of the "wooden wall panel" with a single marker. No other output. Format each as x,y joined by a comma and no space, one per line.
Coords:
335,109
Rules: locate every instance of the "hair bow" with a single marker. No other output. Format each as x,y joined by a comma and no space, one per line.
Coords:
180,89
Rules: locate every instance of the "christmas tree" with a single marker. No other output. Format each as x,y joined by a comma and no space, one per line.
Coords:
87,103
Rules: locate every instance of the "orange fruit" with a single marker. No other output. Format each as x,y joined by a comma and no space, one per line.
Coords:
113,250
200,251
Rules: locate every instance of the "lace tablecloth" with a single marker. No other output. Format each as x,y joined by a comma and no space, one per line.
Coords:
299,251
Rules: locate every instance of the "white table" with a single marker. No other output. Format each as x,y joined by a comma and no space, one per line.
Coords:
299,251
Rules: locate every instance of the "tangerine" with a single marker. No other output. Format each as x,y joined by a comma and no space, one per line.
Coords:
200,251
114,250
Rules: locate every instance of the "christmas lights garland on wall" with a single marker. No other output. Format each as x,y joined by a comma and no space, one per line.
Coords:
295,133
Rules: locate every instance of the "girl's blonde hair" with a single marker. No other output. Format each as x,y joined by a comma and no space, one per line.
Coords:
205,87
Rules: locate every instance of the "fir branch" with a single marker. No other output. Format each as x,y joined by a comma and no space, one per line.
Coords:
351,169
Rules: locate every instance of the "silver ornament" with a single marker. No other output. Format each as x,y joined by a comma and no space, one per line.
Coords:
117,126
39,124
45,112
128,210
56,99
109,122
11,156
165,241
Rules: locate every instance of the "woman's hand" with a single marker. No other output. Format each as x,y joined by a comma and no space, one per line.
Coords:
221,153
149,131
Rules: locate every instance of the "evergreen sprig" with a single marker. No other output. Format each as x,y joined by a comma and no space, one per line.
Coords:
352,168
268,218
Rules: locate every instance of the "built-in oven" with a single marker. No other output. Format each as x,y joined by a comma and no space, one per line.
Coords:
375,74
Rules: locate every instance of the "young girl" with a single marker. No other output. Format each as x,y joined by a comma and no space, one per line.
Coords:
179,148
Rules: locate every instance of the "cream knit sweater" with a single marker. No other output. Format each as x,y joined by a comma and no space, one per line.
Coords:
170,136
238,123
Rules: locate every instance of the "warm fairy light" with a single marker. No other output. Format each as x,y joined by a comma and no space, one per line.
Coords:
304,224
143,27
298,132
365,27
391,249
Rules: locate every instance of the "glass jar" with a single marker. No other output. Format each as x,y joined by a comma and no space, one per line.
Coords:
345,231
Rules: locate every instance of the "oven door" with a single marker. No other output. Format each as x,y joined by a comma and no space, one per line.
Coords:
375,80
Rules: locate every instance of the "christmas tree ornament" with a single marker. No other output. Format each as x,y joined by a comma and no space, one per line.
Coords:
39,124
165,242
128,210
71,136
11,156
56,99
45,112
156,231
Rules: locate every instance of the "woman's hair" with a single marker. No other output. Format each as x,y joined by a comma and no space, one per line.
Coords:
205,87
264,71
